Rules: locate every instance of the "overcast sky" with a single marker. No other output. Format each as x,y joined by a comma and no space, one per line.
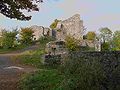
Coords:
94,13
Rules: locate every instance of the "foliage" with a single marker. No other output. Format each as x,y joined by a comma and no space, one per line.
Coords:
116,40
54,24
105,34
91,36
26,35
8,38
15,48
1,42
42,80
34,58
82,74
45,39
71,43
86,48
105,46
14,8
84,71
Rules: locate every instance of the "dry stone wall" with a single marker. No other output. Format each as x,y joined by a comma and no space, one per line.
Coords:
109,62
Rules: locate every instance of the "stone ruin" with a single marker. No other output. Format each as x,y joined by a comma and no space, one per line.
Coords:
40,31
72,26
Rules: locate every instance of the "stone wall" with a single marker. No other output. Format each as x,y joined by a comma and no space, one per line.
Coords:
109,64
103,55
39,31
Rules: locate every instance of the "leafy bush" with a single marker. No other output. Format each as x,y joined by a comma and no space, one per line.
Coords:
91,35
116,41
105,46
71,43
8,38
26,35
91,71
82,74
80,71
42,80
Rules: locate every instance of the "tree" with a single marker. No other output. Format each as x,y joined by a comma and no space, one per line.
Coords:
14,8
105,34
91,35
105,46
71,43
8,38
116,40
26,35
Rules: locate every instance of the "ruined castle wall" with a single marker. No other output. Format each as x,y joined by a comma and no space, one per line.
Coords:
72,26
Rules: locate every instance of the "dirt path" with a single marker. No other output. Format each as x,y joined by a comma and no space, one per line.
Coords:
10,72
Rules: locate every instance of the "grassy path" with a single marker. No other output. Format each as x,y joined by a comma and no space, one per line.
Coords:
10,72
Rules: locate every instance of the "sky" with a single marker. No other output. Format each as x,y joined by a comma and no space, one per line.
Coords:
94,13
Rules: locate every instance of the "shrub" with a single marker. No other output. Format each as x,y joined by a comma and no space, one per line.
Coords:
91,35
26,35
71,43
105,46
116,41
82,74
91,71
8,38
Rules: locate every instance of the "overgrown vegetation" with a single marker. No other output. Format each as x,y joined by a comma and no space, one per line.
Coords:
9,41
77,73
54,24
81,74
91,35
32,58
42,80
26,36
35,57
8,38
116,41
44,40
105,46
71,43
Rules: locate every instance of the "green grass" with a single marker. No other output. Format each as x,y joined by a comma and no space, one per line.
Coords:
35,57
46,78
32,58
19,47
42,80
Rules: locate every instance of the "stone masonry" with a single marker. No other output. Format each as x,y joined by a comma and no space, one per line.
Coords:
72,26
39,31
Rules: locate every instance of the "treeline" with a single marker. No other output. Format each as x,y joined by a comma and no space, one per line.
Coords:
109,40
15,37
